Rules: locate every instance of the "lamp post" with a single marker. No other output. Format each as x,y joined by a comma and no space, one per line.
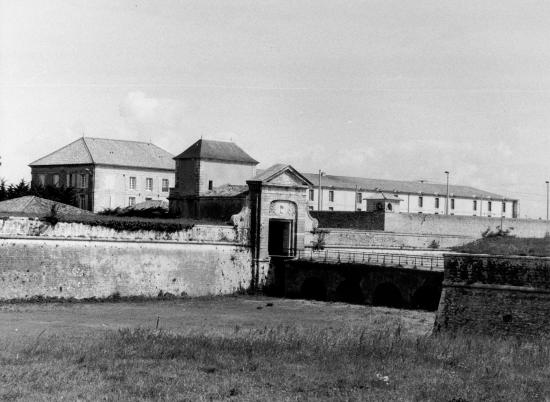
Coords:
320,198
547,194
447,198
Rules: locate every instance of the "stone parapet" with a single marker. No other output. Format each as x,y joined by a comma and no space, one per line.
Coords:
495,295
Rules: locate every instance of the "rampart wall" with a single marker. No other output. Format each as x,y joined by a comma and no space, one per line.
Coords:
355,238
495,295
198,233
349,219
405,230
462,225
79,261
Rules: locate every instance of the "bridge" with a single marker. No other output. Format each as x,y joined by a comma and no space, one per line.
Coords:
401,280
427,262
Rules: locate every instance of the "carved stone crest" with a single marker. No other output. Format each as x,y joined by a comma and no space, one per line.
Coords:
286,209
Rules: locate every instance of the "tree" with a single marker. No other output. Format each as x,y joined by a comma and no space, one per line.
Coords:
3,190
19,190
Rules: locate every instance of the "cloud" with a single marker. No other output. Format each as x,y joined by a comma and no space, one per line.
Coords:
148,115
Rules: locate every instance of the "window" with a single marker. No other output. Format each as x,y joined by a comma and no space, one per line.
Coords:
132,183
358,209
311,195
452,203
437,202
311,208
149,184
359,198
42,179
82,201
56,180
330,208
475,205
83,180
489,206
131,201
165,185
68,180
148,199
210,184
503,207
420,201
331,196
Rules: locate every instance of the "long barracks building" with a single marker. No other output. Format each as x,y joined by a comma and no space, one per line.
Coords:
344,193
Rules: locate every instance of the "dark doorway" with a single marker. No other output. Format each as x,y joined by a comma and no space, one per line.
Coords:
280,237
349,291
387,294
314,289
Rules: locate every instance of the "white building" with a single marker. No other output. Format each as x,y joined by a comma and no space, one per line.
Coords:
344,193
108,173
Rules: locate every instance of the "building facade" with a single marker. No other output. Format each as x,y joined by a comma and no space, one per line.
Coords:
107,173
344,193
211,175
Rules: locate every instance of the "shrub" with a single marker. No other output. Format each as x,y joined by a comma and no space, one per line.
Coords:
319,241
131,223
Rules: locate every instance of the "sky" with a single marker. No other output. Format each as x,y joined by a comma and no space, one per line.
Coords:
378,88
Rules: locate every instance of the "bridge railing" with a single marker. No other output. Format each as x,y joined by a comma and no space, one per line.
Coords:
414,261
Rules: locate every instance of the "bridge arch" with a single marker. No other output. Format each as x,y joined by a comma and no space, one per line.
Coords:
387,294
427,297
349,291
314,289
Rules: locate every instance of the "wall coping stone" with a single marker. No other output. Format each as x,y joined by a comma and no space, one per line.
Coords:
524,289
498,256
396,233
105,240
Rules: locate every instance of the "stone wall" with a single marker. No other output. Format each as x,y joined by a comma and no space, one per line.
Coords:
462,225
80,269
71,260
349,220
15,226
354,238
495,295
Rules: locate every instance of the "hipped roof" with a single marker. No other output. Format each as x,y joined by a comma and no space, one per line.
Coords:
217,150
104,151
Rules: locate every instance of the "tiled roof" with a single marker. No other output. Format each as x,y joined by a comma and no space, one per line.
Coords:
216,150
384,196
149,204
31,205
227,190
400,187
104,151
265,175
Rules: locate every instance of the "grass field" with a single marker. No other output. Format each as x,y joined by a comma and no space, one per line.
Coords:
246,348
508,245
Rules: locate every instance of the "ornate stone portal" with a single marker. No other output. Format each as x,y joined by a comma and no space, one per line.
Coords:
279,216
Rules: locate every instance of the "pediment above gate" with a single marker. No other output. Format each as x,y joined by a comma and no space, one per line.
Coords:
282,175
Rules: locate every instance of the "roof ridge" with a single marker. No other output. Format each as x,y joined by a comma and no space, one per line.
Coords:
30,200
121,140
88,149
